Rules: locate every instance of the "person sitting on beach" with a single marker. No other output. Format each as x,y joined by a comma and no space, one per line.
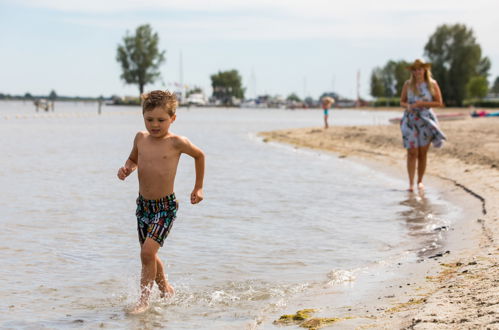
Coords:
156,153
419,124
327,102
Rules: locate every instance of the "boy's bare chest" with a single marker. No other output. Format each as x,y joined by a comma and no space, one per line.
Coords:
157,153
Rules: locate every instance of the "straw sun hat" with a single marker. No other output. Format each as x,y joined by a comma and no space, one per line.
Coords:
419,63
328,99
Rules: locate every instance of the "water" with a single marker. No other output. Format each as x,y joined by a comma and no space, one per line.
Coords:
276,222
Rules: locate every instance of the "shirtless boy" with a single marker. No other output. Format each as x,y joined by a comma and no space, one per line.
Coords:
156,153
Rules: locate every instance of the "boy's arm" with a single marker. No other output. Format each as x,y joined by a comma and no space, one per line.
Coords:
188,148
131,162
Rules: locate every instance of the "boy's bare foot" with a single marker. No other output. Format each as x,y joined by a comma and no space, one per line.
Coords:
168,292
411,189
140,308
420,186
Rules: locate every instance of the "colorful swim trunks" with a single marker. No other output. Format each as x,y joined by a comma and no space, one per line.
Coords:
155,217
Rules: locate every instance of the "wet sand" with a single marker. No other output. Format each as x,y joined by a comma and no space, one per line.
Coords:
459,289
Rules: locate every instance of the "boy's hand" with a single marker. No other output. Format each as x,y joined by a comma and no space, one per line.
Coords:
123,172
196,195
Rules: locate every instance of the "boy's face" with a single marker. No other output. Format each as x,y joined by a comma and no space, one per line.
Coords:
158,121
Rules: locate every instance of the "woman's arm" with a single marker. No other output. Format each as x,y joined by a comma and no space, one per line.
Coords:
403,97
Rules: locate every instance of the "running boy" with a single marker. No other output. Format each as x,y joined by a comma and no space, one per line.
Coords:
156,153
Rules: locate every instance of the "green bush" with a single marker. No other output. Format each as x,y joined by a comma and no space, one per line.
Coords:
127,101
491,103
387,102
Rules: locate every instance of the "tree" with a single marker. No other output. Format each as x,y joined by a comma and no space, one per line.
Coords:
477,87
389,80
377,86
456,58
397,73
140,57
195,90
52,95
226,86
333,95
293,98
495,87
309,101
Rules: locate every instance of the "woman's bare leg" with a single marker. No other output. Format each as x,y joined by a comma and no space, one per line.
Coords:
422,160
412,157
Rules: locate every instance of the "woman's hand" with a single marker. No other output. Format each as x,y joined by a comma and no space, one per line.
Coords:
418,104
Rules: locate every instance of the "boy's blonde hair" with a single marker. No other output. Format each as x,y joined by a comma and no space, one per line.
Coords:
165,100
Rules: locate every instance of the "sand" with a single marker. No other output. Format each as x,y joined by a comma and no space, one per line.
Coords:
462,291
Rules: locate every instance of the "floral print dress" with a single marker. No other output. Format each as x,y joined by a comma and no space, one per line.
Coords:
420,127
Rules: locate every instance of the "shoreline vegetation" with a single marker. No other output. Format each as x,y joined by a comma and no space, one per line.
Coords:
464,291
341,104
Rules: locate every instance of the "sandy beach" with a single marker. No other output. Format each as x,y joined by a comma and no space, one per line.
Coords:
460,289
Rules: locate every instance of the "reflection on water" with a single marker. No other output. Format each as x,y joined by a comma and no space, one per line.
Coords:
424,221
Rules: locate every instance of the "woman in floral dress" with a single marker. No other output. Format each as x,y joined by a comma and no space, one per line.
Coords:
419,125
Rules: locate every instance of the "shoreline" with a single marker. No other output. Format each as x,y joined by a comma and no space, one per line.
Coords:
459,289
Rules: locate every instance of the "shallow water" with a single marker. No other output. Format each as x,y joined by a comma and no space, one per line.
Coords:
276,221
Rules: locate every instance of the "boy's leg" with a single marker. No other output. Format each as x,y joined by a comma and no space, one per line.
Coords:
163,285
148,253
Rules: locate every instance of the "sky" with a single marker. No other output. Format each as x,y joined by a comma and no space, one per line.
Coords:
279,47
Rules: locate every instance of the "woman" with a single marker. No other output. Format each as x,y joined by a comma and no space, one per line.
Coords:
419,125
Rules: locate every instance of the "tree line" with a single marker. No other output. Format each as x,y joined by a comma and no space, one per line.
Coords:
458,66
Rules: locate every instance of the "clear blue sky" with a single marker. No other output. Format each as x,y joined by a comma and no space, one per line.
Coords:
278,46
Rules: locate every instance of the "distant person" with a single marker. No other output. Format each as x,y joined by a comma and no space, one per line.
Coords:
327,102
156,153
419,124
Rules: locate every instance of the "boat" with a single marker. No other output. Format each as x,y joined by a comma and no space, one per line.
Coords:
196,99
440,117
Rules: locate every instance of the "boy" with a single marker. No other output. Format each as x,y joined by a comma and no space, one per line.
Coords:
156,153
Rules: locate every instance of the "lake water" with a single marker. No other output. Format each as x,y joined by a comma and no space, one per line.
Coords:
276,223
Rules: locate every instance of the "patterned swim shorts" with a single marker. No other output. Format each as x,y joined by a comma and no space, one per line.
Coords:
155,217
